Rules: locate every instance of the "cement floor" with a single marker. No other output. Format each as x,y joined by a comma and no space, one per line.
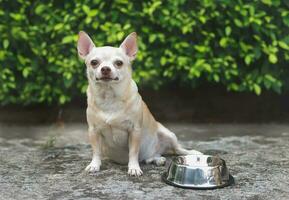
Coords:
48,161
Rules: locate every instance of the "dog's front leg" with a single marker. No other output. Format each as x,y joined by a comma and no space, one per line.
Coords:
134,146
95,141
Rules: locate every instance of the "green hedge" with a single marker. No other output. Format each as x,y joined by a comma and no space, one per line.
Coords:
241,44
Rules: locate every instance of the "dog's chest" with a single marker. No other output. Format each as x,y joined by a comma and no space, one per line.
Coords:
115,124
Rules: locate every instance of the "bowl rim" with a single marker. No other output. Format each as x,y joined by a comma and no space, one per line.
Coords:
195,166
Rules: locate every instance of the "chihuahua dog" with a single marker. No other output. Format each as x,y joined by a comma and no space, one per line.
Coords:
120,125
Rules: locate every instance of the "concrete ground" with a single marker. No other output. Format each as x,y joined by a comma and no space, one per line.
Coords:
47,162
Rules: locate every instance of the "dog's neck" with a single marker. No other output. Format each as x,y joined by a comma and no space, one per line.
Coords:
106,95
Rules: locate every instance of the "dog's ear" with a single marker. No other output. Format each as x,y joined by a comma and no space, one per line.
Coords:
84,44
129,45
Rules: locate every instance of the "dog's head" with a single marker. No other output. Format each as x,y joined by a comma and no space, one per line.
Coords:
107,64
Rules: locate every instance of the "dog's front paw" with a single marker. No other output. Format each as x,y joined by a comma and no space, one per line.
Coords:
93,167
134,171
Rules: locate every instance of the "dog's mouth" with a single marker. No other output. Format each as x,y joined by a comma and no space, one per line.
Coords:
107,79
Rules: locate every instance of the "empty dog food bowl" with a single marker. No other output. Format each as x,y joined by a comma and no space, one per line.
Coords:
198,172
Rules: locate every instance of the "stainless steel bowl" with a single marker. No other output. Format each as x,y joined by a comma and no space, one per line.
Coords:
198,172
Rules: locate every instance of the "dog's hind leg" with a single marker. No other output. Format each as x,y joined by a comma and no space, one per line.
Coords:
169,143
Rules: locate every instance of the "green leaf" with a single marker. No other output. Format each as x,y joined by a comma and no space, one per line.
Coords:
86,9
228,30
257,89
163,61
62,99
273,58
283,45
233,87
40,8
216,77
69,39
25,72
58,26
16,16
238,22
5,43
200,48
248,59
223,42
92,13
267,2
270,78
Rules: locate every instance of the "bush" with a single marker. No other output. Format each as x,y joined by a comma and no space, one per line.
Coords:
240,44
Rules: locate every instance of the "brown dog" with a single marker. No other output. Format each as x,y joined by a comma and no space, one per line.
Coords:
120,124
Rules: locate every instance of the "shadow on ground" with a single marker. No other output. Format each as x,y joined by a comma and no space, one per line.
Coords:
47,162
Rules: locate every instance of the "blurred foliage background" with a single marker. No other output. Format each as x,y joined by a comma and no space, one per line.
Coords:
240,44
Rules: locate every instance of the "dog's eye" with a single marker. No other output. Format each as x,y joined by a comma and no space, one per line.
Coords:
94,63
118,63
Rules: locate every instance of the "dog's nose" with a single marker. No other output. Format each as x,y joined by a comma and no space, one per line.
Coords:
105,70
